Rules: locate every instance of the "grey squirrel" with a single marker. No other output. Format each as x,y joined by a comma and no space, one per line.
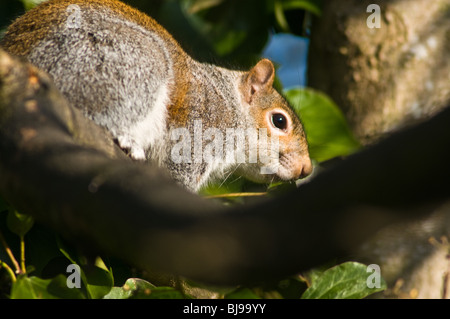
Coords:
128,74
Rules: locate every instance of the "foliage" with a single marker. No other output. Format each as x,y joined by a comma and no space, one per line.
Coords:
29,4
344,281
326,128
97,278
234,31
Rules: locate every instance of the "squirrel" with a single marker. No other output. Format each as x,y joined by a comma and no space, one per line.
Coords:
125,72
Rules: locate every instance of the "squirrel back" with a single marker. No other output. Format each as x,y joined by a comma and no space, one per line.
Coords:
128,74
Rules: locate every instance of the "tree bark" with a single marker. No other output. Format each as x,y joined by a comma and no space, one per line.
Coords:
383,78
64,170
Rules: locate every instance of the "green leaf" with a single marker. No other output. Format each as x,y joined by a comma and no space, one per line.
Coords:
37,288
280,188
118,293
200,5
345,281
242,293
280,6
135,288
18,223
97,279
231,28
232,184
312,6
67,251
326,128
30,4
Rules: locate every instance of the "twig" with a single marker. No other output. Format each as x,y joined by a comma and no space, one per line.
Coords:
10,254
8,270
22,254
237,195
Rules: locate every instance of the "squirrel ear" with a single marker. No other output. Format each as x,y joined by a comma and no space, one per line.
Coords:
259,78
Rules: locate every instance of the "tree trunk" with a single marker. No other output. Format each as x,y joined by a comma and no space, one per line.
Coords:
388,77
384,79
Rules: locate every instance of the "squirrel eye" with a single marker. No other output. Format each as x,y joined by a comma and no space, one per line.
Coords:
279,121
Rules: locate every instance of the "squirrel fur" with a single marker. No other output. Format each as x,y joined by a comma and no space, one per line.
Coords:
129,75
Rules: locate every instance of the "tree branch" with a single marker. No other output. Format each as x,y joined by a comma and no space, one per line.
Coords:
66,172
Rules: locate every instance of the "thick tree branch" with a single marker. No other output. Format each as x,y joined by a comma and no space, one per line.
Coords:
66,172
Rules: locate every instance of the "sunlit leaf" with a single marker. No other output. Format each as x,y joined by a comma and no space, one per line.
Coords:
232,184
37,288
344,281
98,281
135,288
29,4
326,128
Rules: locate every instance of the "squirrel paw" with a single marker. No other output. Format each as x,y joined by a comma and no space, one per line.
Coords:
135,152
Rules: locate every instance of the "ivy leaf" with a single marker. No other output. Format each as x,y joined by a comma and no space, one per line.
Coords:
37,288
231,28
313,6
345,281
30,4
242,293
326,128
97,279
18,223
135,288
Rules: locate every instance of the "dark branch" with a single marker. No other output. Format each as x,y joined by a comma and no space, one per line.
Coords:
66,172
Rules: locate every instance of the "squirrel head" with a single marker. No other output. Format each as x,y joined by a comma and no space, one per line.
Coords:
285,145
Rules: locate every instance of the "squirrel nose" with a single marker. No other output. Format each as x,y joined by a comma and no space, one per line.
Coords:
305,168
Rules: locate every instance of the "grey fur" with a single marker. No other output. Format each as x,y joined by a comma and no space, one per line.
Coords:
100,66
123,77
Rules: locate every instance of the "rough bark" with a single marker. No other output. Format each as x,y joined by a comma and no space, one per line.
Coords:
64,170
388,77
385,79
